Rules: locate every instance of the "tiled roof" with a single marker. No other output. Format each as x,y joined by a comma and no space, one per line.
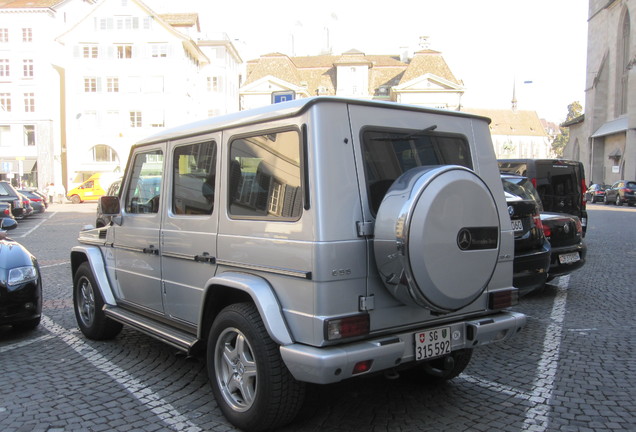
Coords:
509,122
428,61
319,72
28,4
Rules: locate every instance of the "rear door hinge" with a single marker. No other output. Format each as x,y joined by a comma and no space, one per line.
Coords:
365,229
366,303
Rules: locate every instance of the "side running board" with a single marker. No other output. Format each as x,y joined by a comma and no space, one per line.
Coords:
176,338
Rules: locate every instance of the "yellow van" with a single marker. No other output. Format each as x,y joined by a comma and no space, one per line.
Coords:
91,189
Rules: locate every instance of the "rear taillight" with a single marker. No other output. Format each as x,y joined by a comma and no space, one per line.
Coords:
537,221
579,227
36,199
583,190
351,326
547,231
7,212
534,182
503,299
628,190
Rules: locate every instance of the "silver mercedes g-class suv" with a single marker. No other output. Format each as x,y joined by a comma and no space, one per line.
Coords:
310,241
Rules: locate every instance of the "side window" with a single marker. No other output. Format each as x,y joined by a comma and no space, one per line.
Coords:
264,176
87,185
144,190
194,169
388,154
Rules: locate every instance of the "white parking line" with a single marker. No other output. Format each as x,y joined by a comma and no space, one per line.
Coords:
21,344
35,227
537,417
494,386
144,394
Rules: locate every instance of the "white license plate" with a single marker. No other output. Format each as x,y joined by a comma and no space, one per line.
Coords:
517,225
432,343
569,258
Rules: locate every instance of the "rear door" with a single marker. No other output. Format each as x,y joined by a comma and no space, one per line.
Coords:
189,230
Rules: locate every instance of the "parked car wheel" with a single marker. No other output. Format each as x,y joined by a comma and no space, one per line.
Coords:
447,367
75,199
605,200
250,382
88,304
618,200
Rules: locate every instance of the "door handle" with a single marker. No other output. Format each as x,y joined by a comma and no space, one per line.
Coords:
151,250
205,257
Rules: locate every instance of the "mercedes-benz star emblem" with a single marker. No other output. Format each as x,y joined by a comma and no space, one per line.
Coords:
464,239
566,228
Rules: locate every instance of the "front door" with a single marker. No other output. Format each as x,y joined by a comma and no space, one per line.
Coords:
189,232
137,255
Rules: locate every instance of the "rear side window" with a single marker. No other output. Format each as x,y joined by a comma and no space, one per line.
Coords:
388,154
194,169
521,187
265,176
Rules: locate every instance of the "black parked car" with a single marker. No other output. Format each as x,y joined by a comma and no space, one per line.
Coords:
559,182
37,201
566,239
20,283
532,249
5,211
9,195
623,191
595,192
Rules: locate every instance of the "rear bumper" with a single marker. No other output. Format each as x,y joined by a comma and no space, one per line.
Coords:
558,269
336,363
530,270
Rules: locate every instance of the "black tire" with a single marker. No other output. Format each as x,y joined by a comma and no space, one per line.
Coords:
618,200
75,199
88,305
250,382
605,200
448,367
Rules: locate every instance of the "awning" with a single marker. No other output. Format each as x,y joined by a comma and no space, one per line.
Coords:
611,128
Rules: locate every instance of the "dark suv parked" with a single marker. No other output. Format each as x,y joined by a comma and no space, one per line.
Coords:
560,183
622,191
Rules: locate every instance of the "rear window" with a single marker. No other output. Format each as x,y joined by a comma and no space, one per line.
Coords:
390,153
521,187
631,185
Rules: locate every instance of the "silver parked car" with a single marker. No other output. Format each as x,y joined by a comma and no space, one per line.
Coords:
310,241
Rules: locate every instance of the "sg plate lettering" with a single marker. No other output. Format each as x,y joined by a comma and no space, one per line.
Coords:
432,343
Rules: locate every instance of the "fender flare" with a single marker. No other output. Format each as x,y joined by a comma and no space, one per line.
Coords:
263,297
95,259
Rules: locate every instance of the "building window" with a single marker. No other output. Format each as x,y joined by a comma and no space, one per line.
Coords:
158,50
27,68
29,102
4,35
112,85
104,153
27,35
135,119
5,136
213,84
29,135
90,51
4,67
90,85
5,102
124,51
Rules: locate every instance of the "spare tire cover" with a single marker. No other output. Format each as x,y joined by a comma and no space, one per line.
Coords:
437,236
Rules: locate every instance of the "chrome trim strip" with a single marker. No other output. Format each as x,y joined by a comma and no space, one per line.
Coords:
268,269
178,255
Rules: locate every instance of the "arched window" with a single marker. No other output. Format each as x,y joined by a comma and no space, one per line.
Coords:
104,153
622,65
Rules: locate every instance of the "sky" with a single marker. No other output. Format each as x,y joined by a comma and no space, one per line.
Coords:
537,46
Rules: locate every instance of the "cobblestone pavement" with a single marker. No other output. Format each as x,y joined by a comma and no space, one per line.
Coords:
571,369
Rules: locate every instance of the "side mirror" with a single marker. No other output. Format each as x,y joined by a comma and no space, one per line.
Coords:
109,205
8,224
